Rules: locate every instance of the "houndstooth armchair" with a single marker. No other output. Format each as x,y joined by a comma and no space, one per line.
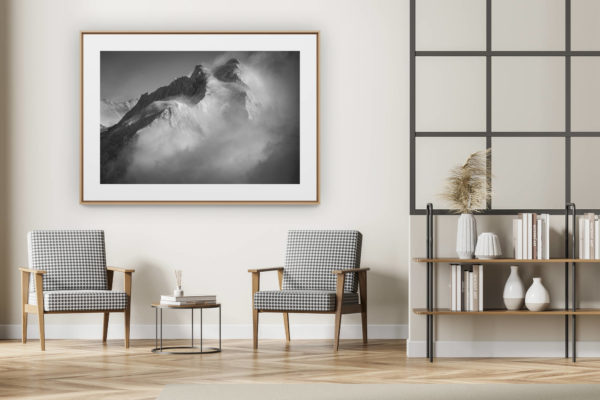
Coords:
68,274
322,274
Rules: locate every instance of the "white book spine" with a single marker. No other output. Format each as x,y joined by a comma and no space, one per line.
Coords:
540,240
586,239
580,231
597,238
476,288
529,237
547,232
470,291
524,236
515,238
453,288
480,287
519,239
466,283
466,290
459,280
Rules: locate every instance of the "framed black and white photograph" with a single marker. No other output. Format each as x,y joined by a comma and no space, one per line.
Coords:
224,117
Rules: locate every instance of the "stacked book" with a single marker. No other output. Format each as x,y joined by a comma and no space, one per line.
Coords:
467,287
531,236
589,239
187,300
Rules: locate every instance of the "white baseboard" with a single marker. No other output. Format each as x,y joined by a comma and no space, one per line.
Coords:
210,331
501,349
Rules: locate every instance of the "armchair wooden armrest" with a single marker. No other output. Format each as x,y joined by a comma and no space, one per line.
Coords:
110,271
347,271
32,271
123,270
265,269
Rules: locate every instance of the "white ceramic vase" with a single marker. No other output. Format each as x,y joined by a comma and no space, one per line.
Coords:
514,291
488,246
466,236
178,292
537,297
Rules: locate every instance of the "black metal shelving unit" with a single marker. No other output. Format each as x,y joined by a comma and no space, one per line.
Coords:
570,261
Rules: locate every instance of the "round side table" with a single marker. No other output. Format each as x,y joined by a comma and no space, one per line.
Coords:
191,349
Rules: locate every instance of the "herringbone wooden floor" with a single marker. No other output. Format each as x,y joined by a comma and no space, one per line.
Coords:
70,369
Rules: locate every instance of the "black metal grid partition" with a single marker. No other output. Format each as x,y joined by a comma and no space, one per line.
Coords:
490,55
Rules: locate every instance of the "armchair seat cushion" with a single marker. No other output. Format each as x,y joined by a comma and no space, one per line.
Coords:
300,300
82,300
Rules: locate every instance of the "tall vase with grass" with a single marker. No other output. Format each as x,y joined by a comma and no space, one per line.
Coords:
467,191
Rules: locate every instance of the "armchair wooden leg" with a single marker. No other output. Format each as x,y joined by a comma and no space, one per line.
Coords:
24,325
363,315
24,300
127,308
339,305
362,282
40,308
41,324
105,327
127,321
286,325
255,328
336,332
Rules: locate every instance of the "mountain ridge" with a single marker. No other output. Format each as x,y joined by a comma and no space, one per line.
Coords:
115,139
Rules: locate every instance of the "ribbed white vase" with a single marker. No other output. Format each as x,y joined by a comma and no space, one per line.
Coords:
488,246
514,291
466,236
537,297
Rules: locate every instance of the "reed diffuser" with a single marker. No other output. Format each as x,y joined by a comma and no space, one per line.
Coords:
178,292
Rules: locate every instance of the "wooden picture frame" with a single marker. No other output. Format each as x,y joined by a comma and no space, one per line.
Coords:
254,140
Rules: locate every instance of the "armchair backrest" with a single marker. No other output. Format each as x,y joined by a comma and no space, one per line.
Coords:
72,259
311,255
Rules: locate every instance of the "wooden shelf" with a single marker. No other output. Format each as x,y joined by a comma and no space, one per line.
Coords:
446,311
503,261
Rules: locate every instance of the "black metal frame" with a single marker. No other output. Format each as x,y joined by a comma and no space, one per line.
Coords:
430,278
567,134
570,211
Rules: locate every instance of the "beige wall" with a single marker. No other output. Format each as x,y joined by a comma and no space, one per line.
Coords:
364,160
4,284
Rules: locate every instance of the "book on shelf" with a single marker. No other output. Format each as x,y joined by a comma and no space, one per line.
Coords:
589,236
452,291
518,238
467,300
534,237
466,287
531,236
596,238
